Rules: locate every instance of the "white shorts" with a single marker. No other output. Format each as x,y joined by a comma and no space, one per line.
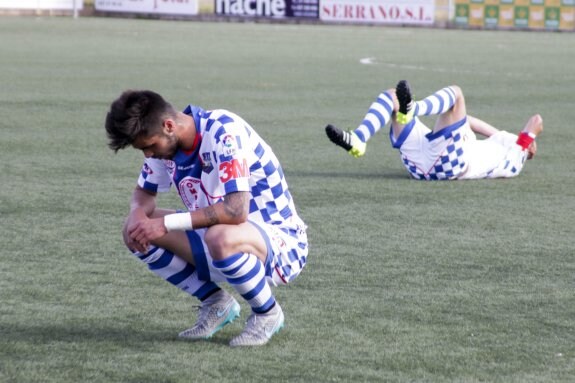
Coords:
454,152
287,251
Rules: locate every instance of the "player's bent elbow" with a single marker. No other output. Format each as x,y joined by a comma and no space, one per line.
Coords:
236,220
535,124
537,119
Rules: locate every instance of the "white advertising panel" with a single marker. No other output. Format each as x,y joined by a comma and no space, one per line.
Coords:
41,4
378,11
173,7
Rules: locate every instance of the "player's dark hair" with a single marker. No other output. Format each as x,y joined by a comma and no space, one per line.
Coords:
136,113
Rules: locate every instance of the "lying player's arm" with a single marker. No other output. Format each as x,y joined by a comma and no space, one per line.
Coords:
481,127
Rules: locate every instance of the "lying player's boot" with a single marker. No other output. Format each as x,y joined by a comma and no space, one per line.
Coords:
347,140
260,328
405,100
214,313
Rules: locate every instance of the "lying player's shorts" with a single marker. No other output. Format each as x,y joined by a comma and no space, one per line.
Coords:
287,251
454,152
429,155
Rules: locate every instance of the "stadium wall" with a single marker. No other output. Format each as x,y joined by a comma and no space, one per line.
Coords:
541,15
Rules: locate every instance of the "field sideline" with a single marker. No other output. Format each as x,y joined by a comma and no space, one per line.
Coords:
407,281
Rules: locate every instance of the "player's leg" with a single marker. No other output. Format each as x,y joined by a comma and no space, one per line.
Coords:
378,115
240,252
447,102
438,155
170,257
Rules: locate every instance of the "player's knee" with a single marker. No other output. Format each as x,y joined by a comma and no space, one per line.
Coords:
125,235
458,92
391,93
217,240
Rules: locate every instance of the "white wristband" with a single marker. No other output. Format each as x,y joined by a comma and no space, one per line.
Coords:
178,221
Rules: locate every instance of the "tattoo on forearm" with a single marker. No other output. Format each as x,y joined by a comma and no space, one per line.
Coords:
211,215
234,204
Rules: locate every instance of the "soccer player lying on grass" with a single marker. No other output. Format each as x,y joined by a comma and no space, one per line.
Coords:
240,226
450,150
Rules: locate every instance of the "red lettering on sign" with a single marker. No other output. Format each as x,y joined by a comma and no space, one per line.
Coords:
368,12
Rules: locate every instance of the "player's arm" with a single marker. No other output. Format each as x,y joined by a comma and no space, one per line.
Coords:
142,204
233,210
143,201
481,127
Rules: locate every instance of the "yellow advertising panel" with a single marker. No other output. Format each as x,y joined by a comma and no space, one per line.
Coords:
567,18
536,16
476,15
523,2
506,16
532,14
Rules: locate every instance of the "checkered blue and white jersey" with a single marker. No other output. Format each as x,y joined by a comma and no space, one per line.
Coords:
228,156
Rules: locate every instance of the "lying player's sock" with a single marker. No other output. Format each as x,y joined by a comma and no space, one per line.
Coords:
378,115
435,104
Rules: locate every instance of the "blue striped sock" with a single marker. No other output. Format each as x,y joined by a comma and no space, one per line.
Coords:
435,104
377,117
246,273
178,272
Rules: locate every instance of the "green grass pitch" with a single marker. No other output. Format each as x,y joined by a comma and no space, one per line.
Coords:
407,281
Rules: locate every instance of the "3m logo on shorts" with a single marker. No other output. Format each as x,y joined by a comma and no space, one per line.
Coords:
234,169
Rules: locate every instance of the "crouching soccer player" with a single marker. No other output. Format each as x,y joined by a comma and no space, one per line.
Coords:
240,227
451,149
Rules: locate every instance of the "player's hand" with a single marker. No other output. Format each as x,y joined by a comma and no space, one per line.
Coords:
531,150
145,231
134,217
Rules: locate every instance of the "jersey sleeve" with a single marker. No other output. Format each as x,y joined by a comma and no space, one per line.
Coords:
232,148
154,176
